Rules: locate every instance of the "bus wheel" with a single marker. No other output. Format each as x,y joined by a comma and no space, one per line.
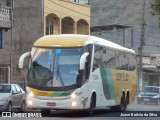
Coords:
126,100
45,112
122,106
92,105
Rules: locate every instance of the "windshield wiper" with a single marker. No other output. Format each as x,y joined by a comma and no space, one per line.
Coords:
49,74
60,77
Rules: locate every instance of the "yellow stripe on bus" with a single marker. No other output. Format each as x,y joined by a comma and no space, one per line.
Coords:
41,92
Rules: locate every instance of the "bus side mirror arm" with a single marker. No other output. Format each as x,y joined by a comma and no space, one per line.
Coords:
83,60
21,60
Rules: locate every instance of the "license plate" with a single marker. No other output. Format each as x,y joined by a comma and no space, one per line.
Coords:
51,104
147,100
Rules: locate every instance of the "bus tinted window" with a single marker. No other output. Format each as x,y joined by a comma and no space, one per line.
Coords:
113,59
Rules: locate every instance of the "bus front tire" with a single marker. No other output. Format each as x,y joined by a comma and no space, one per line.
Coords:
92,105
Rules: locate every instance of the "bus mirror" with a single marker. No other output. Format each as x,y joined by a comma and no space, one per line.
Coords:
83,60
21,60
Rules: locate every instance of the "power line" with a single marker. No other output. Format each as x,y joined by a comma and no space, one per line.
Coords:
61,12
69,8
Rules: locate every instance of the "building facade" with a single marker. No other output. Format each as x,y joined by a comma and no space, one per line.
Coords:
4,27
66,17
151,71
33,19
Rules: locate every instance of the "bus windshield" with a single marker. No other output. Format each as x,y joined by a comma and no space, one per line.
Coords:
54,67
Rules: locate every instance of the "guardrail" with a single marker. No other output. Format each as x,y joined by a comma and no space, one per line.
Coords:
5,13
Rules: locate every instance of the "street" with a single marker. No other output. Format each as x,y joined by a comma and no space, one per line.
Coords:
102,114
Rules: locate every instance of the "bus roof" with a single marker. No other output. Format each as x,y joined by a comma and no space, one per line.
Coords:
75,40
66,40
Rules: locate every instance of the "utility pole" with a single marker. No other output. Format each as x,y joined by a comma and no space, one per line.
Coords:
141,51
11,43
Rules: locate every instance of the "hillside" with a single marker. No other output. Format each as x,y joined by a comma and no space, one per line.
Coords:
127,12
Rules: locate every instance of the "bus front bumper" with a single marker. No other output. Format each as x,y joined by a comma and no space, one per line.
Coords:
68,103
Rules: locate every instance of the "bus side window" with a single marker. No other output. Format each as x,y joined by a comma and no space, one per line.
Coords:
88,48
97,57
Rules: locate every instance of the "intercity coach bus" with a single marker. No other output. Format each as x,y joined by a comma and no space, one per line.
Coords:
79,72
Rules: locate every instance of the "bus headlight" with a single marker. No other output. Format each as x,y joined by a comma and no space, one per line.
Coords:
74,103
73,95
31,94
30,102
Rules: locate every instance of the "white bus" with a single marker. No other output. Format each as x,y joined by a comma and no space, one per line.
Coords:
79,72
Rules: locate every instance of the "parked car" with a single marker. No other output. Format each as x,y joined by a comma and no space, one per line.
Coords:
12,97
149,94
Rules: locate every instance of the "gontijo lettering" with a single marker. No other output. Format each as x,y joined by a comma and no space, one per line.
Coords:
122,76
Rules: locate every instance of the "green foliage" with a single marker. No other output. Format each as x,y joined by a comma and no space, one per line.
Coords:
155,5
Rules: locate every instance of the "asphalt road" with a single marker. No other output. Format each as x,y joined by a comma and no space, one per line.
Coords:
150,110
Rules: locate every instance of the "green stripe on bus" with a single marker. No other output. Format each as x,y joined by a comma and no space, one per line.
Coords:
62,93
107,81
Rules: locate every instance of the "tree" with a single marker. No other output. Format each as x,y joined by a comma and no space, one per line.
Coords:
155,6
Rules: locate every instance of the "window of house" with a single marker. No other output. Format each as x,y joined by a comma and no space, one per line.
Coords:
49,25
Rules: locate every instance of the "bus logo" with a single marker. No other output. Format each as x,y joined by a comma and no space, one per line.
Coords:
96,77
122,76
